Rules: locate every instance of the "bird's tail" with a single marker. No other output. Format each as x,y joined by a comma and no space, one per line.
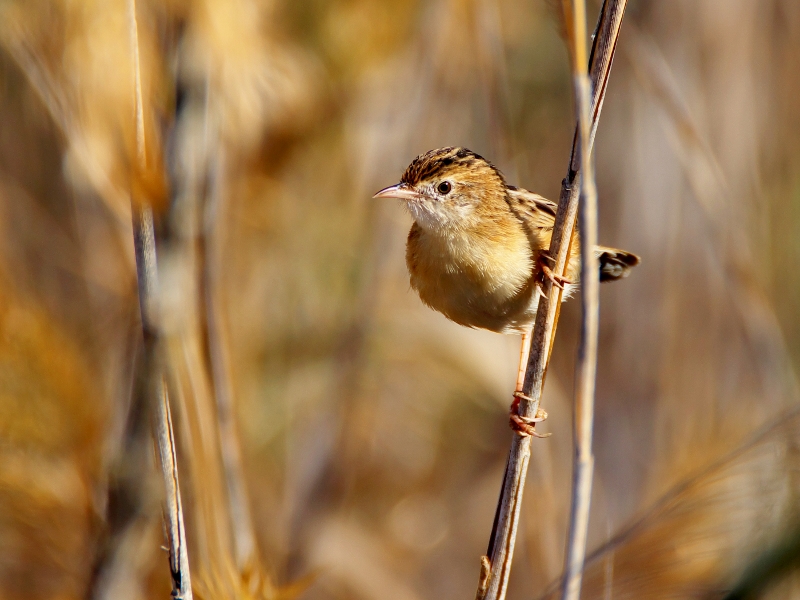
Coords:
614,263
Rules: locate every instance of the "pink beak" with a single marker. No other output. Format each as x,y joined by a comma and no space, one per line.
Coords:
401,191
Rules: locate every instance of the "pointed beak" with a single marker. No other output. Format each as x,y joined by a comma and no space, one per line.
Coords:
401,191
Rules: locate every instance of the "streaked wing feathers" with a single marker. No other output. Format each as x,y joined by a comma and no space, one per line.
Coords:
539,214
532,209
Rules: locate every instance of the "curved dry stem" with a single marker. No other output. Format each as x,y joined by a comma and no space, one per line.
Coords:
501,544
147,276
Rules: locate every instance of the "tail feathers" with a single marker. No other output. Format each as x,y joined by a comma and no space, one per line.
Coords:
615,264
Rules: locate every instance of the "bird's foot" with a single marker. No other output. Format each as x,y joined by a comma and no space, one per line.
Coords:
522,425
557,280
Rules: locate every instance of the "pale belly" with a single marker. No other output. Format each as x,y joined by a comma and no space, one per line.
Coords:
491,291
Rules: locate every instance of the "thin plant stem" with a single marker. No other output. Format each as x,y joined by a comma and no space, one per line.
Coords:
154,355
670,499
230,447
496,565
147,275
583,459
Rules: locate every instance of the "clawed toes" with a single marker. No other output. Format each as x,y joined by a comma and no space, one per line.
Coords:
523,425
557,280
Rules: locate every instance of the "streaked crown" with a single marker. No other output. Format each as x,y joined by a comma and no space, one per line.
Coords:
451,161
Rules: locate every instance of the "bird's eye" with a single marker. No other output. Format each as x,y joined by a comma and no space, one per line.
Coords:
444,187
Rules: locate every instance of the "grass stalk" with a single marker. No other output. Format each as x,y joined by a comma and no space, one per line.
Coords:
154,354
583,415
496,570
245,548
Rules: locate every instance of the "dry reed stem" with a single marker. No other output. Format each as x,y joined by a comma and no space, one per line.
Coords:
672,496
495,572
586,369
230,448
147,277
184,327
226,554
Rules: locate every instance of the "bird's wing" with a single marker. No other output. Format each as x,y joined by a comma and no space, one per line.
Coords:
538,216
535,212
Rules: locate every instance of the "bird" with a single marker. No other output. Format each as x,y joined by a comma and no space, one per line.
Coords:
477,249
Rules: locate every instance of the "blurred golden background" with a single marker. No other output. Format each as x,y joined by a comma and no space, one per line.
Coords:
368,434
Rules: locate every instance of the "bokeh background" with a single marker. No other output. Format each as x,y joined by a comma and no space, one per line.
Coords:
336,438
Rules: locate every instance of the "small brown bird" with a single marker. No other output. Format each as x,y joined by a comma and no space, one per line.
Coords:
477,250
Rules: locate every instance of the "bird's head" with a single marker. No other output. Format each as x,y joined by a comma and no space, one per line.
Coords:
449,189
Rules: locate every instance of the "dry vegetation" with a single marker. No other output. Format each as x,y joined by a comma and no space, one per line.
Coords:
373,433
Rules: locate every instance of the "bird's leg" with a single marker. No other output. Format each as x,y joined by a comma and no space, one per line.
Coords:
557,280
524,351
519,423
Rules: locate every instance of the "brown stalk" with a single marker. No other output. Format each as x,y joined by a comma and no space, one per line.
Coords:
220,370
671,498
154,352
147,275
583,459
496,570
225,552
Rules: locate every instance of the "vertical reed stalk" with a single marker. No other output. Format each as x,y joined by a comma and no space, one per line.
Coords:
147,275
245,549
154,355
496,566
583,465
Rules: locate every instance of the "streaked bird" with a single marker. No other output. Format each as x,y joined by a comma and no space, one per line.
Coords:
477,250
